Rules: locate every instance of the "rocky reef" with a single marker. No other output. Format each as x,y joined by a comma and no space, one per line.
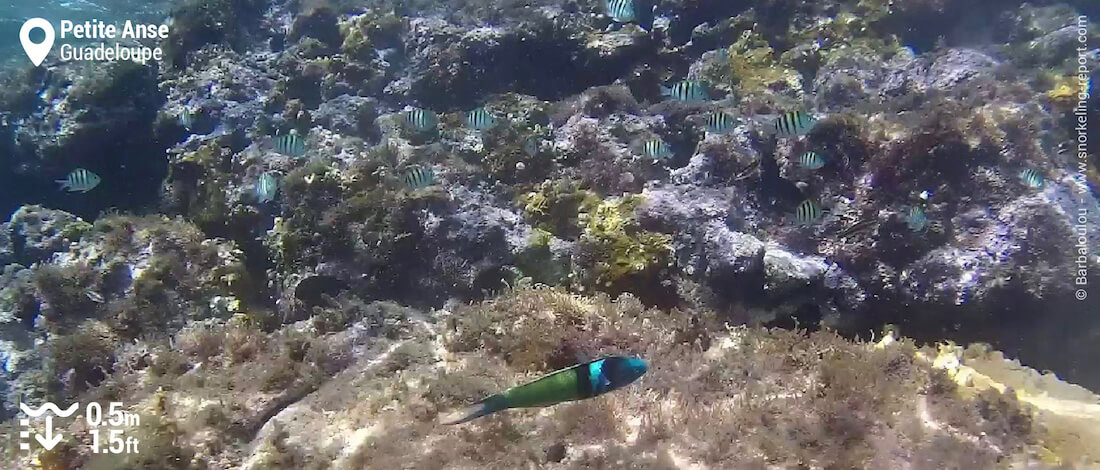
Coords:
262,306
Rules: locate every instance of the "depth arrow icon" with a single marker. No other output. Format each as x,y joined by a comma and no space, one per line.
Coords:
50,440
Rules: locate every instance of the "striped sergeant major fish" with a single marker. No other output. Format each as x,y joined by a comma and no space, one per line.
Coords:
719,122
794,124
79,180
186,118
916,219
687,90
480,119
421,120
291,145
1032,178
419,177
657,149
808,212
578,382
811,160
267,186
639,12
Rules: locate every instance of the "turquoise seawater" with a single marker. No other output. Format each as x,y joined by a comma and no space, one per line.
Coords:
14,13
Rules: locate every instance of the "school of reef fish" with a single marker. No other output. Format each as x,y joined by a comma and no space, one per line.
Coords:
673,234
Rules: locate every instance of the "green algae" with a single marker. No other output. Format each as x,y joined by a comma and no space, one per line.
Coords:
617,248
623,249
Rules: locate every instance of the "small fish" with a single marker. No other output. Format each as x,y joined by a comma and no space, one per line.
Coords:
794,123
266,187
419,177
79,180
620,11
531,146
94,296
578,382
719,122
480,119
657,149
860,226
186,118
808,212
916,219
748,171
421,120
687,90
639,12
291,145
811,160
1033,179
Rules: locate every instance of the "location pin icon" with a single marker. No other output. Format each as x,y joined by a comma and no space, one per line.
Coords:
37,52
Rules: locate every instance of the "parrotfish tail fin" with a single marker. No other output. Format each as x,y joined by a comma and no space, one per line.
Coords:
62,184
665,91
484,407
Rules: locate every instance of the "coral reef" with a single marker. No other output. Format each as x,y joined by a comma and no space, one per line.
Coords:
368,396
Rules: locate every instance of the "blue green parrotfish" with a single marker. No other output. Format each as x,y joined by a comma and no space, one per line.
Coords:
574,383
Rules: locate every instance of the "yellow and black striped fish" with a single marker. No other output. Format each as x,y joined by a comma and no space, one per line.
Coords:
621,11
719,122
687,90
79,180
291,145
656,149
267,186
794,123
808,212
916,220
811,160
480,119
1032,178
186,118
419,177
421,120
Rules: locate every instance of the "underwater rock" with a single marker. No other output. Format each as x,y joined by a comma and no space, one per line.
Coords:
956,66
378,395
454,67
733,263
979,265
350,116
132,277
95,117
35,233
198,23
